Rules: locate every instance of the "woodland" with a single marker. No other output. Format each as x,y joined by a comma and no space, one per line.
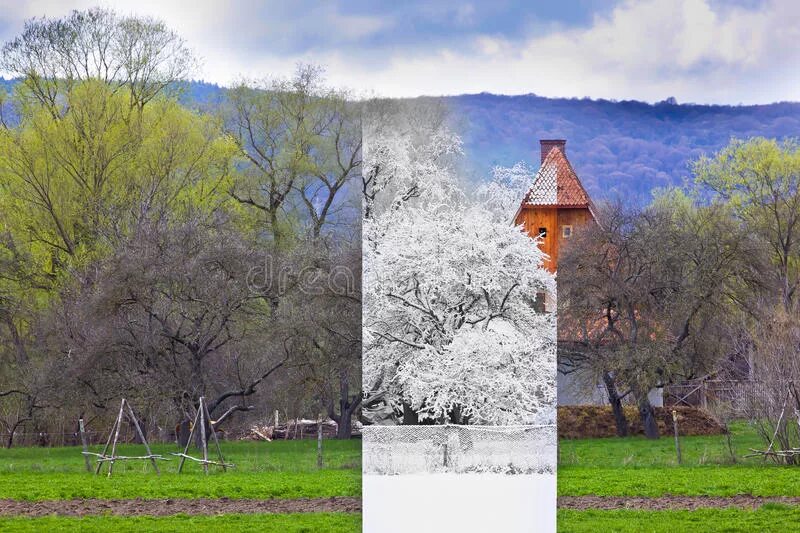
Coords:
161,251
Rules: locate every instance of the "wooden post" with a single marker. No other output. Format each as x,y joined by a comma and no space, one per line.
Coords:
203,440
675,427
216,440
116,437
704,395
276,419
85,445
189,441
319,443
142,438
108,443
778,424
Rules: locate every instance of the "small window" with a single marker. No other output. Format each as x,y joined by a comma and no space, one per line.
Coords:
543,232
566,231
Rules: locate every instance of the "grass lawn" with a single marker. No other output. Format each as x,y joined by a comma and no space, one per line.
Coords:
638,451
278,469
635,466
289,523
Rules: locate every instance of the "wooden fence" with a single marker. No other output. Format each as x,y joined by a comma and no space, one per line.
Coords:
709,393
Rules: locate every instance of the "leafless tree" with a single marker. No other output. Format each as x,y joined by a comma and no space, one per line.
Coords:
642,296
140,53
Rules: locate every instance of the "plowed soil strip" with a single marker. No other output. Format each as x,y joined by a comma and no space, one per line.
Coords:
166,507
670,502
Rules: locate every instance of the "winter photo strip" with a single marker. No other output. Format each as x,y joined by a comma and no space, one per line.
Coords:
459,352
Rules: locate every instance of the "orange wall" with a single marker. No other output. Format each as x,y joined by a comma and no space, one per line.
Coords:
552,218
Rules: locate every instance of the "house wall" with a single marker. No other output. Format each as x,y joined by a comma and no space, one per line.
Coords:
578,388
542,217
553,219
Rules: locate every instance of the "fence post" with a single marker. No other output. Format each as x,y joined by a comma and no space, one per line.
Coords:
319,442
675,427
85,445
704,395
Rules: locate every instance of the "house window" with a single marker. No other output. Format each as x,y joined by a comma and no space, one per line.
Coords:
566,231
543,232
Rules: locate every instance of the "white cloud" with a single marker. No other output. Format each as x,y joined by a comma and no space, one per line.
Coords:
650,49
646,50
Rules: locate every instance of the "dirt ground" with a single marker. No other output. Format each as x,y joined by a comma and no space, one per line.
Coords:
669,502
200,506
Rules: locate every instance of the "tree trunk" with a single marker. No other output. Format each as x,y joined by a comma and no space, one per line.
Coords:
410,417
347,406
345,429
616,405
184,428
648,417
456,416
19,344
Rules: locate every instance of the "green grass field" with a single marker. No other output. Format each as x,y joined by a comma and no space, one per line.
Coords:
288,523
278,469
635,466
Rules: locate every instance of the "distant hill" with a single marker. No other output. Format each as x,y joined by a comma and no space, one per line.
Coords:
619,149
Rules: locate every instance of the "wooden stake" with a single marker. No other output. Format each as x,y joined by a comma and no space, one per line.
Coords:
85,445
189,441
141,437
116,437
216,442
108,443
778,425
203,440
675,427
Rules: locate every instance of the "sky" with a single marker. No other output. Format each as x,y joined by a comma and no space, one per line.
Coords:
702,51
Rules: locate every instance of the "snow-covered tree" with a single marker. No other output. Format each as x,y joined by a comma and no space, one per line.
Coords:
451,329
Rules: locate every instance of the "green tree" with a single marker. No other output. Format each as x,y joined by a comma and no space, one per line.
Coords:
302,145
759,179
74,185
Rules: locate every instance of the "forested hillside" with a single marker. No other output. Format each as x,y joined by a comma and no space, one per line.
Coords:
619,149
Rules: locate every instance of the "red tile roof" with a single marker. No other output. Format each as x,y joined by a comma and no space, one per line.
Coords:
556,184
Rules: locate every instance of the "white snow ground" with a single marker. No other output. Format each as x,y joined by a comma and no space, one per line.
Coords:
459,503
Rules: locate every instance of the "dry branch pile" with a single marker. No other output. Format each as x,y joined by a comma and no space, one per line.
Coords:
296,429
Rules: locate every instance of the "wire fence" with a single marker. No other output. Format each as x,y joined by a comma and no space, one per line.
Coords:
735,395
459,449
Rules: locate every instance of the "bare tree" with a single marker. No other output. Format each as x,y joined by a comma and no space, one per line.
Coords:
52,55
641,296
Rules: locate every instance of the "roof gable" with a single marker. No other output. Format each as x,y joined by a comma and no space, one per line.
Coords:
556,184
